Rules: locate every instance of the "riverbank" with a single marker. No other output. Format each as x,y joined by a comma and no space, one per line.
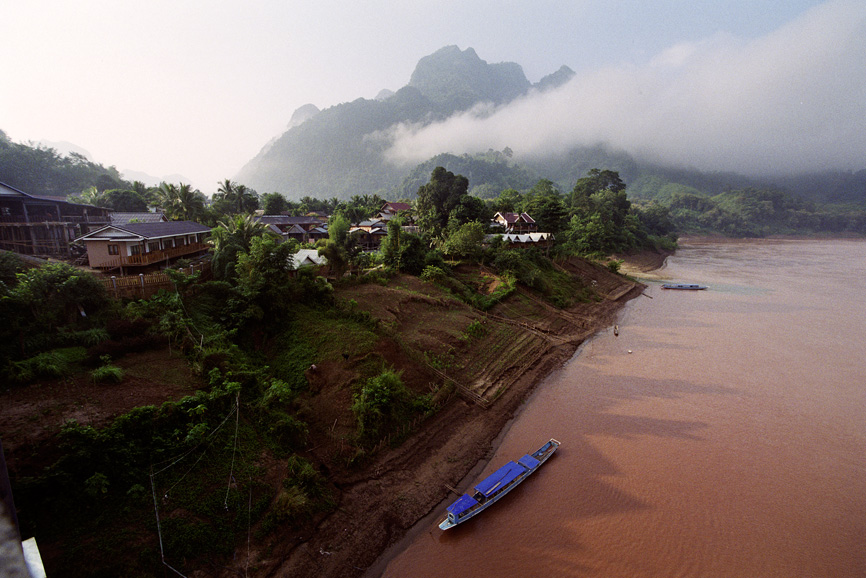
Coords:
384,501
669,449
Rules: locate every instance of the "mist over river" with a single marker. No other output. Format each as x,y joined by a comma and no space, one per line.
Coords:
722,433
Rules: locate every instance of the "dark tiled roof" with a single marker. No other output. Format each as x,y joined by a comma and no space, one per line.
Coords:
123,218
164,229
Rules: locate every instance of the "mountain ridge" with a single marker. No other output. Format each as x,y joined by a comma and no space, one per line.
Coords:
340,151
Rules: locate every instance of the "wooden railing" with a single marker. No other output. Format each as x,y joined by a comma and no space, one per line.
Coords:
155,256
143,286
37,219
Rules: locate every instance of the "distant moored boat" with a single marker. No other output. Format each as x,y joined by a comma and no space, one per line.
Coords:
687,286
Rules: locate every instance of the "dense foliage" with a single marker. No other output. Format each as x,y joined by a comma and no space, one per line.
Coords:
40,170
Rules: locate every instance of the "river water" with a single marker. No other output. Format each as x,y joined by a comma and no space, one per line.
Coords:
722,433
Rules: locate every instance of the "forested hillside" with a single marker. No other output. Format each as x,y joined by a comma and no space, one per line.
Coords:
43,171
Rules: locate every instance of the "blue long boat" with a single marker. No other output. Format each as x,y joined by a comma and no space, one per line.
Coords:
496,485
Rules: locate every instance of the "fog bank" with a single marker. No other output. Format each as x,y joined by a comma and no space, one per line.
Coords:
793,100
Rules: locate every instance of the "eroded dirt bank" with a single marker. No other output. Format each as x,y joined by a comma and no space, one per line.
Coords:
399,487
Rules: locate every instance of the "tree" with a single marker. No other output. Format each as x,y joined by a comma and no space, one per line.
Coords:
232,198
274,203
58,294
124,201
231,238
469,209
262,274
180,203
437,199
466,241
508,201
601,219
403,251
544,203
89,196
596,181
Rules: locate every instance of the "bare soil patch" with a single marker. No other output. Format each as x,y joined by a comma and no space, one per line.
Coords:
32,415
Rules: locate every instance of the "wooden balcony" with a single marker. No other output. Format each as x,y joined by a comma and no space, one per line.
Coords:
155,256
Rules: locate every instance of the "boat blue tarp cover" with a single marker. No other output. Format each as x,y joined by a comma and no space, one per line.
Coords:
500,478
529,461
464,503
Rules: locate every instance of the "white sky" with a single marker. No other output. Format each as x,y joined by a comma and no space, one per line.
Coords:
197,87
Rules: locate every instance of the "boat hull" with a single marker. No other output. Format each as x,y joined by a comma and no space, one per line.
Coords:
497,485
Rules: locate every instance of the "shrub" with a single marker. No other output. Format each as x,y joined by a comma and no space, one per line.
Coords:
96,485
286,430
51,364
382,401
107,374
432,273
473,331
279,392
292,505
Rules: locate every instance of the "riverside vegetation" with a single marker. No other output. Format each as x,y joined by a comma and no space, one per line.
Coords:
294,384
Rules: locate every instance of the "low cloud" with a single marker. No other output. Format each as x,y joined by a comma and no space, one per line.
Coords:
791,101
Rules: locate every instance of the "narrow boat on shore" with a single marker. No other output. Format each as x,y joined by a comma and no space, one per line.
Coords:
496,485
686,286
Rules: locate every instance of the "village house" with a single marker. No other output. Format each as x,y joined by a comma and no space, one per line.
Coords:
391,210
306,229
32,225
141,247
515,222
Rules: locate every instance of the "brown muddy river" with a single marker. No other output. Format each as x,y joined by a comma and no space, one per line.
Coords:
722,433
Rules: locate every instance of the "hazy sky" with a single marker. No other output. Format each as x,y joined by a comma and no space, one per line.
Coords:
197,87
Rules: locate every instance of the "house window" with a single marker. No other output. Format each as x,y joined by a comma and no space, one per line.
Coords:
151,247
135,250
113,250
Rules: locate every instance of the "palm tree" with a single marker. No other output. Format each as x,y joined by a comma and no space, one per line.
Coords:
180,203
231,237
233,198
89,196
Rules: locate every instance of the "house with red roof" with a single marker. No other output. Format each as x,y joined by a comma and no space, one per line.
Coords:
516,223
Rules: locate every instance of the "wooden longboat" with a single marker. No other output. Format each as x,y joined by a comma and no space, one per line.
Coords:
496,485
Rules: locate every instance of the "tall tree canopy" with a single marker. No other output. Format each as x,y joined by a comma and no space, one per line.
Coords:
438,198
232,198
274,203
180,202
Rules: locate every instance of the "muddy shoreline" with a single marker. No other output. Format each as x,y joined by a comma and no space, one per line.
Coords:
400,495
